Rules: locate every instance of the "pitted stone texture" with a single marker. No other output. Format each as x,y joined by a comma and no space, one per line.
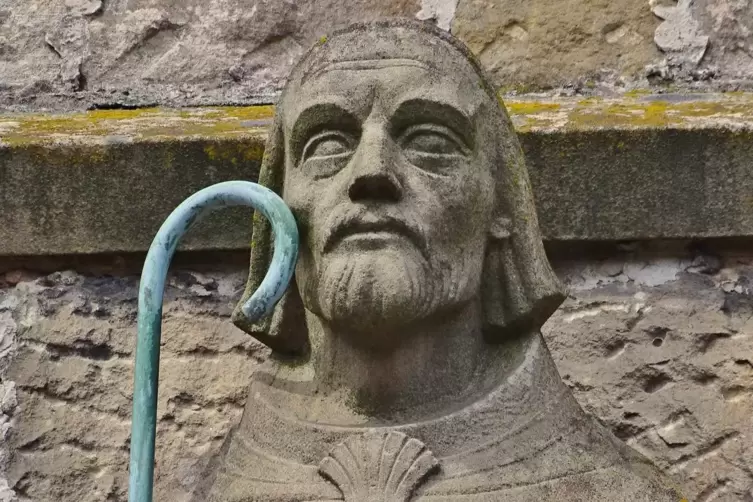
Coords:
165,52
73,372
542,43
82,53
9,303
680,35
704,40
729,26
441,12
661,351
659,348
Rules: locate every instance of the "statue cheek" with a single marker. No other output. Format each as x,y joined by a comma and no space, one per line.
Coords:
463,197
477,199
296,199
305,199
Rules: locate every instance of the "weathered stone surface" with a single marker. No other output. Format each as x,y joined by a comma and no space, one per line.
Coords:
540,43
109,175
8,394
655,345
73,372
84,53
726,27
164,52
659,348
680,35
637,167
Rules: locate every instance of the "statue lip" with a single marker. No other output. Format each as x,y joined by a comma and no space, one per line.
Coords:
373,229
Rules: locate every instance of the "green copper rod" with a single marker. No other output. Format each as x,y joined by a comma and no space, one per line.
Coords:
261,303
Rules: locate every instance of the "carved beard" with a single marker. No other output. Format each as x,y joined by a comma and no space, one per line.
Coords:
382,291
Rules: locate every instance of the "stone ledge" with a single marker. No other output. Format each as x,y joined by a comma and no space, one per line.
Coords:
637,167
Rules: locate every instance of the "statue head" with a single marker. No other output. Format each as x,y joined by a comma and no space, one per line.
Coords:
409,188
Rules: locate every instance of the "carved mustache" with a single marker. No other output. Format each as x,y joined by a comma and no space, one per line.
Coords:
358,222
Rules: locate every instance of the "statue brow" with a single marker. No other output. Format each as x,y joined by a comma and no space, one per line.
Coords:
364,64
319,115
430,109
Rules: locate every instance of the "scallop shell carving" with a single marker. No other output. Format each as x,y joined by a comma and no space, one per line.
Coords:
378,467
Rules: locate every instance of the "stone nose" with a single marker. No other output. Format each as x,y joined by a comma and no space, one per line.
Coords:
378,186
373,167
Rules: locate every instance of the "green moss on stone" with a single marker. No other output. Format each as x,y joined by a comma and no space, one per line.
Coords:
633,110
531,107
131,125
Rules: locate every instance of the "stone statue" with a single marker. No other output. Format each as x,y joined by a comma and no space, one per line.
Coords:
407,358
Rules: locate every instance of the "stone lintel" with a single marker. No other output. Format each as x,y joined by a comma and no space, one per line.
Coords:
634,168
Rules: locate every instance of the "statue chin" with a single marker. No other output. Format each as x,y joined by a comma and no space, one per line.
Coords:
375,292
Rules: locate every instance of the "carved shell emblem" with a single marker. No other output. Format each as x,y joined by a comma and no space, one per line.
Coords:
378,467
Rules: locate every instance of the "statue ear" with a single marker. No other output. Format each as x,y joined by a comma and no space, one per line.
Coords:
514,301
519,289
285,330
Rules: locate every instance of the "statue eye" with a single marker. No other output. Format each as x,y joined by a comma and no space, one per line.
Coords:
327,144
433,148
433,140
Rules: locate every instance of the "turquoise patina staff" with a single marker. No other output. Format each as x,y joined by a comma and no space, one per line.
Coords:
146,374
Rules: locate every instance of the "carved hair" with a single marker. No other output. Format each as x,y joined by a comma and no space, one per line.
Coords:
519,289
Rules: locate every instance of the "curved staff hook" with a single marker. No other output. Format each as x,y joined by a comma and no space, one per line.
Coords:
146,373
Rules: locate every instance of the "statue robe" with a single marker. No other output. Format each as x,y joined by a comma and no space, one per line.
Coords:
525,441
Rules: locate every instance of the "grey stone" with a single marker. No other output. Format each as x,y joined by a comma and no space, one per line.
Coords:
620,169
665,355
441,12
9,305
408,360
6,494
195,52
601,338
167,52
584,37
682,39
680,35
96,211
70,430
729,25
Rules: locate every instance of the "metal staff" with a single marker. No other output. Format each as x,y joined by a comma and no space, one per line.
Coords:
153,276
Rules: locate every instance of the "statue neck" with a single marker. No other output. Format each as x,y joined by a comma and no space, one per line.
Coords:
437,365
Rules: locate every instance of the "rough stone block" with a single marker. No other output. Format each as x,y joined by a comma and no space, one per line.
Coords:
640,167
656,346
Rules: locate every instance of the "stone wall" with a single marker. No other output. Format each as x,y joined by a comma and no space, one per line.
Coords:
660,349
96,53
656,342
72,368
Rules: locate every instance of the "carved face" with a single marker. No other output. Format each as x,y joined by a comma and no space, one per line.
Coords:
392,188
